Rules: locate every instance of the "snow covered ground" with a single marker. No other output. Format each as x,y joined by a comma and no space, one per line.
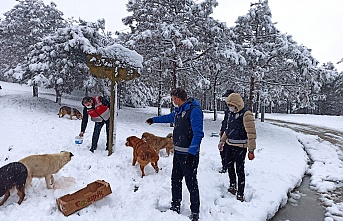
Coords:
30,125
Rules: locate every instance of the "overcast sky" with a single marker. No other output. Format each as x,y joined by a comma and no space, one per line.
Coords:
317,24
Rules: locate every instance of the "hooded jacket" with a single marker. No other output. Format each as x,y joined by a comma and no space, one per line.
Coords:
241,119
188,130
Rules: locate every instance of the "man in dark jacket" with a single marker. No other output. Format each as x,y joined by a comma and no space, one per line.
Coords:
187,135
98,108
223,153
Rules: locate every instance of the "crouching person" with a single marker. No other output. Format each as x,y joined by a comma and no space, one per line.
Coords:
98,108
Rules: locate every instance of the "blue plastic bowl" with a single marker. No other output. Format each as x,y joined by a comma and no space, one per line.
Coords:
78,140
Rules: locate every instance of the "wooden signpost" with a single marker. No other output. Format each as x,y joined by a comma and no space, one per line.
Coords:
108,68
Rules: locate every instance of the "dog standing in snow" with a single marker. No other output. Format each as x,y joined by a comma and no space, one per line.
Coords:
12,174
45,165
70,111
143,153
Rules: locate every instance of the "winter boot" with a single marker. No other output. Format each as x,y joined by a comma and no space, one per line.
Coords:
194,217
240,197
223,170
232,190
175,208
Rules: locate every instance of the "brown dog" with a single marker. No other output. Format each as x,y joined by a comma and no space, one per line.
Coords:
159,142
143,153
13,174
71,111
45,165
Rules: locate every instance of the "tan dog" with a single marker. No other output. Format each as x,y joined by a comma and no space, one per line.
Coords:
44,166
159,142
70,111
143,153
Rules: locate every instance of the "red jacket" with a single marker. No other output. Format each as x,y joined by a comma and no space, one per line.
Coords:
99,112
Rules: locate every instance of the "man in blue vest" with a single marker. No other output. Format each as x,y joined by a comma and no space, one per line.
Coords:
239,138
223,152
187,135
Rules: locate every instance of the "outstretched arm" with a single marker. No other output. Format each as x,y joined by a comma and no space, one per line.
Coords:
169,118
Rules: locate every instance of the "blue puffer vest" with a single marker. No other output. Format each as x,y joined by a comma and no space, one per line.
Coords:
235,130
183,133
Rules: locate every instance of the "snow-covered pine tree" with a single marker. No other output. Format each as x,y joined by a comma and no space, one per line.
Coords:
23,26
169,35
59,60
329,100
215,67
276,65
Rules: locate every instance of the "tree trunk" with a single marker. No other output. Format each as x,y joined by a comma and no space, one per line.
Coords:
263,109
215,107
215,112
288,106
257,105
175,85
160,83
58,95
35,89
251,93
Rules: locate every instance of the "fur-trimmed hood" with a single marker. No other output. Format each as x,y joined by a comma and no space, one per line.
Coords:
235,100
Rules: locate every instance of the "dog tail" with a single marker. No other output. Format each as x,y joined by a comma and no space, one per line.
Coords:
170,135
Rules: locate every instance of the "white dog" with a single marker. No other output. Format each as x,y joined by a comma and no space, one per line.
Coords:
44,166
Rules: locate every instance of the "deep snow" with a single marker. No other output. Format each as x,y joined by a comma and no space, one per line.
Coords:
30,125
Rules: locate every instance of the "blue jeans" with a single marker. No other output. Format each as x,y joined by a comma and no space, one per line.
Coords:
96,133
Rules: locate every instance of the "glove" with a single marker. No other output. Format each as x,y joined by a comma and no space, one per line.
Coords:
221,133
149,121
189,159
220,146
251,155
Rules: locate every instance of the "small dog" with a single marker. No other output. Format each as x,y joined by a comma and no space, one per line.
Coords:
71,111
13,174
44,166
143,153
159,142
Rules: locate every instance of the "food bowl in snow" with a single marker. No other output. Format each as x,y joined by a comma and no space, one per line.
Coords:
78,140
214,134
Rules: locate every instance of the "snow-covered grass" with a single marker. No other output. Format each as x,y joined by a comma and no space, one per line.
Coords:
30,125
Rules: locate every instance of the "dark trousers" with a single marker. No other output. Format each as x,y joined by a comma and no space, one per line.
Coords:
236,157
180,170
223,156
96,133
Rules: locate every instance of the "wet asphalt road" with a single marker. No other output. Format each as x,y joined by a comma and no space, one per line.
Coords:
304,203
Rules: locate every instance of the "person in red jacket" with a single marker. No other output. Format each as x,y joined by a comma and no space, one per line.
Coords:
98,108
